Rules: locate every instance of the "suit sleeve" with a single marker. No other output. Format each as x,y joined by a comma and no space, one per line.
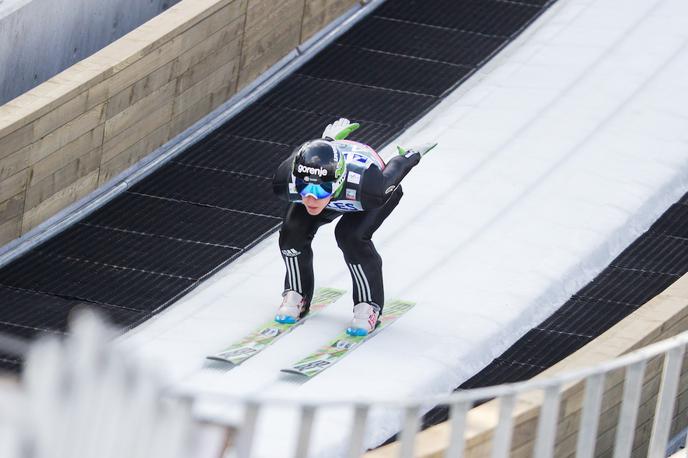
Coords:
280,183
377,185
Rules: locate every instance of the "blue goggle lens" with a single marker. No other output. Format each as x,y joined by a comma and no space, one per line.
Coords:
319,191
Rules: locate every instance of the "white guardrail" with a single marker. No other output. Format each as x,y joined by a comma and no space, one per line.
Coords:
85,396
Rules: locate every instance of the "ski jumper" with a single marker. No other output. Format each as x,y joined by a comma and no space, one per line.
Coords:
371,191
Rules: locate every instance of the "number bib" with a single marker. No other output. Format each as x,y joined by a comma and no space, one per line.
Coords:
345,206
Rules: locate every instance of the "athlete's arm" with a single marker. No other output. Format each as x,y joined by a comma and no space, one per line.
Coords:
377,185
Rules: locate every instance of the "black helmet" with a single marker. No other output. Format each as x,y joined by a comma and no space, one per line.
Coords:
319,162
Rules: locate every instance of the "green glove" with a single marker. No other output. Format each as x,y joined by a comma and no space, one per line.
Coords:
340,129
420,149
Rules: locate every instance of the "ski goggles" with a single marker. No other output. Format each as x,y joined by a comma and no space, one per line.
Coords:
319,191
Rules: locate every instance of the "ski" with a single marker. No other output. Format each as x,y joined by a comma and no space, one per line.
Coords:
270,332
343,344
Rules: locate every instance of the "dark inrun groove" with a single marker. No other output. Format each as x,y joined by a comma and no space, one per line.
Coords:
424,41
385,71
184,259
489,17
366,104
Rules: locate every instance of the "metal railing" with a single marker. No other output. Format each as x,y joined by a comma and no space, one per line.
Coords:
84,397
459,403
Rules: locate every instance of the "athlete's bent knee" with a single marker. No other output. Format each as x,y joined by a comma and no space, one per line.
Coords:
291,236
348,239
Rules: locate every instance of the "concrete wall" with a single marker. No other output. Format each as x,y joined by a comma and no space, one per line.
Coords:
664,316
275,27
73,133
40,38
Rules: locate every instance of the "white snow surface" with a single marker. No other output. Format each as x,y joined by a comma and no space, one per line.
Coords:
551,160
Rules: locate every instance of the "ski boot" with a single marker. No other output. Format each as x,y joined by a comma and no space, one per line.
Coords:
294,307
366,319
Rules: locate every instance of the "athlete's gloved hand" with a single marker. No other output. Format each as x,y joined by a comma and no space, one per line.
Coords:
419,149
339,129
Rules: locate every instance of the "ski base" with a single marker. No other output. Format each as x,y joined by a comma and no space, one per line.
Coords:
271,331
344,343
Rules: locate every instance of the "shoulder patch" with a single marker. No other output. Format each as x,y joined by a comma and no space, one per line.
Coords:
360,158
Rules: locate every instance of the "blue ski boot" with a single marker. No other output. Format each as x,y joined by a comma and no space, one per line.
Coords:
293,308
366,319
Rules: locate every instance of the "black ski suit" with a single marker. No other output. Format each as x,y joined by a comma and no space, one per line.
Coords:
370,193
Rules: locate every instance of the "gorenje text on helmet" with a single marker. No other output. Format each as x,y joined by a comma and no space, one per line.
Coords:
311,170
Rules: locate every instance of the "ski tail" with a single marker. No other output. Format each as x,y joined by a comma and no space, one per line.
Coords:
343,344
271,331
